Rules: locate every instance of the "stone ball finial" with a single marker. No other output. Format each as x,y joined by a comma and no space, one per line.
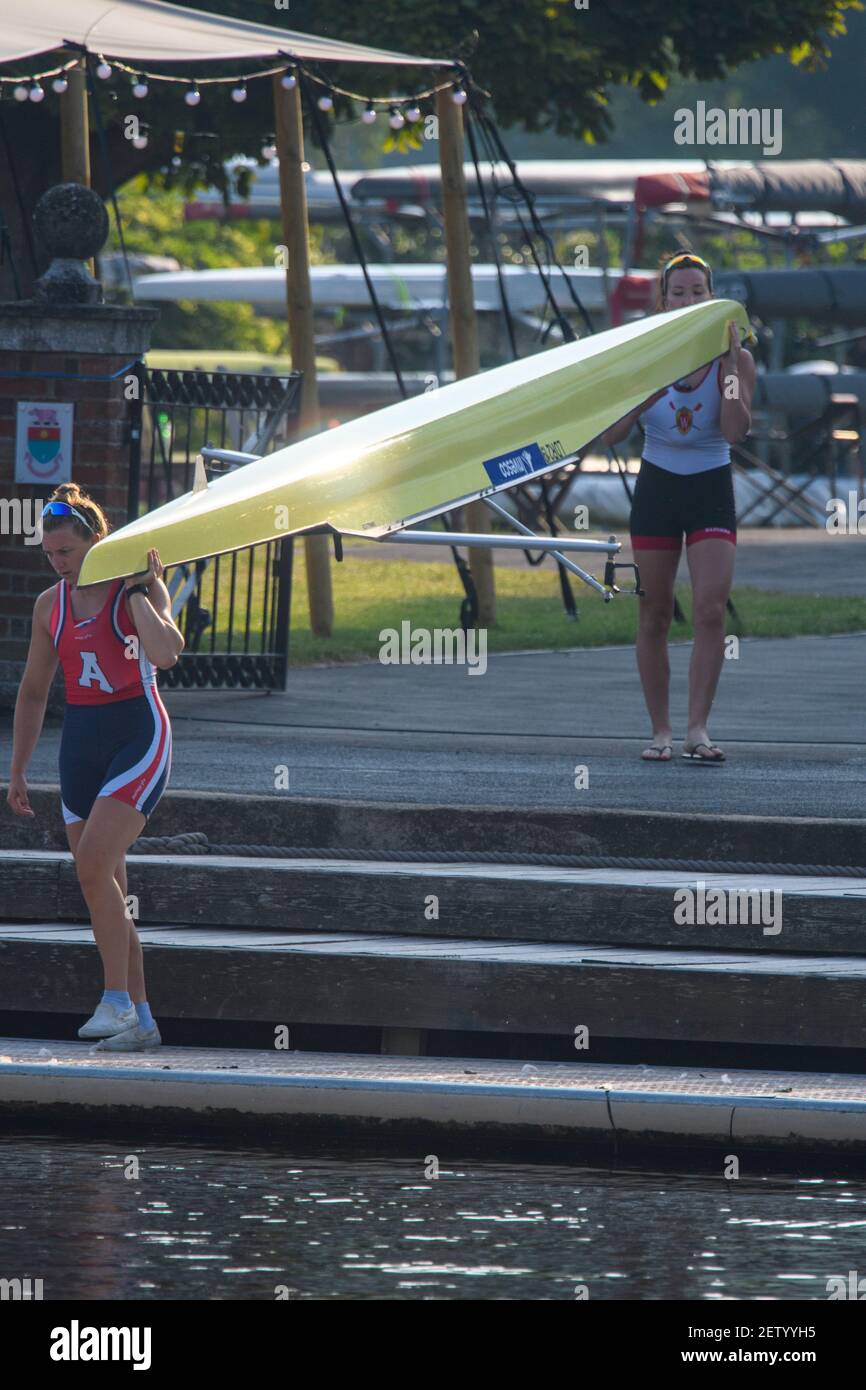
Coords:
71,224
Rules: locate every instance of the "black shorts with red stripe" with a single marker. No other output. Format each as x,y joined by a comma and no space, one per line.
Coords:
667,506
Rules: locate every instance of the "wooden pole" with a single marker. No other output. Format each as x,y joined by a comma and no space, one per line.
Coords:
75,129
289,128
464,324
75,134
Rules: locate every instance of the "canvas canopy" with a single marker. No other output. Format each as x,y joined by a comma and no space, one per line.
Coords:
148,31
831,294
833,187
795,185
792,185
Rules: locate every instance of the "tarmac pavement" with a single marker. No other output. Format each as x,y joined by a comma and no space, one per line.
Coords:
789,713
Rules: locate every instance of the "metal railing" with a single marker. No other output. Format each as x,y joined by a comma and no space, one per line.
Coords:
233,609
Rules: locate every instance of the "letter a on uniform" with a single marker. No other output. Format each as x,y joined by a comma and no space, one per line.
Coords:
91,671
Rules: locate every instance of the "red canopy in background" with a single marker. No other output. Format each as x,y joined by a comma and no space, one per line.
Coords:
634,294
836,187
655,190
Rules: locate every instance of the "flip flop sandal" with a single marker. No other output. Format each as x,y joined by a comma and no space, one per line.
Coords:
659,749
693,756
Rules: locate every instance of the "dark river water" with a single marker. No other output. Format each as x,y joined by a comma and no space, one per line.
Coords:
134,1220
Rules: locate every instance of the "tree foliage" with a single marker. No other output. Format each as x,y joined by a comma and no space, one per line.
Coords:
551,66
546,64
153,220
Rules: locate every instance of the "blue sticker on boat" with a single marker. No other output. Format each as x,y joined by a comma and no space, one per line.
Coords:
520,463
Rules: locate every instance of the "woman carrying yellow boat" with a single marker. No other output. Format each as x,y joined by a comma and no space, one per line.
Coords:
115,749
685,488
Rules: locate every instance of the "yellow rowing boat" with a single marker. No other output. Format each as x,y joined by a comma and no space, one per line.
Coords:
375,476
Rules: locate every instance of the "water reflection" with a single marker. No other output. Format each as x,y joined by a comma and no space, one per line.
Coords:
220,1223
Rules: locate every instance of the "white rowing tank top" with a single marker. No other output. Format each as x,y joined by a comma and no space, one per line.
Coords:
682,427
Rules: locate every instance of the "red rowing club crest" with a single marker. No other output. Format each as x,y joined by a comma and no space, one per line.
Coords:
43,441
684,417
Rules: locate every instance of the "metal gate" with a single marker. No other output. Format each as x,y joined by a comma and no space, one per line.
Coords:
233,610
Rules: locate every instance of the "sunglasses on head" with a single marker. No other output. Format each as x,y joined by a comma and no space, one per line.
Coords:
64,509
683,260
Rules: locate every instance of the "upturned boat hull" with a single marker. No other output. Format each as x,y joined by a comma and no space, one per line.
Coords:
426,455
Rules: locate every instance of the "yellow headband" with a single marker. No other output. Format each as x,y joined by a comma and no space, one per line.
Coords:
686,256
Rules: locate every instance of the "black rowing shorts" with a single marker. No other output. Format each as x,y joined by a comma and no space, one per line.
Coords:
668,505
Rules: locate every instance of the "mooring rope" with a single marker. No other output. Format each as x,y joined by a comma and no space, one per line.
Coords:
196,842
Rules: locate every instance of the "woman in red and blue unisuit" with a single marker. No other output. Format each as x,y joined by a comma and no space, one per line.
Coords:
115,749
685,488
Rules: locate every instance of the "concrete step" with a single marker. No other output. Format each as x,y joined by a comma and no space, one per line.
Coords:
283,819
412,982
500,902
619,1107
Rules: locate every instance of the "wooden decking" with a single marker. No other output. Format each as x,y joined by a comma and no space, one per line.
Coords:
458,985
616,1106
496,902
409,949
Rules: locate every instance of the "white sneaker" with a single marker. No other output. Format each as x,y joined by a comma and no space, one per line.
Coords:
134,1039
107,1021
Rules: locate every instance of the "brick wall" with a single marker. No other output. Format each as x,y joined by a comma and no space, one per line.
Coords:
88,341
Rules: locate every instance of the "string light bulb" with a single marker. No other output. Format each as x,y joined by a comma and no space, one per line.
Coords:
269,152
405,111
140,142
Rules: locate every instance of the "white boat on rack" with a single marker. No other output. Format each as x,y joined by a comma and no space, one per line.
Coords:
410,286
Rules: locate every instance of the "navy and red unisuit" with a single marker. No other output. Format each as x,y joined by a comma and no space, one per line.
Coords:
116,738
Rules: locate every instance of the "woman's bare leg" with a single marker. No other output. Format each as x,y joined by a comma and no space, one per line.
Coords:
658,569
110,829
136,985
711,565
